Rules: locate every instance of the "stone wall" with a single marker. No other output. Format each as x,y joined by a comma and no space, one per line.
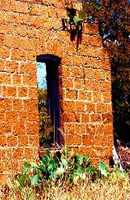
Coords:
31,28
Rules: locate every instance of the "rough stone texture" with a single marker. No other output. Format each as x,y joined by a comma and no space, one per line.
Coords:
30,28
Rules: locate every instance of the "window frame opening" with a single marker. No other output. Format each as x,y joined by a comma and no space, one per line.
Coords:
51,64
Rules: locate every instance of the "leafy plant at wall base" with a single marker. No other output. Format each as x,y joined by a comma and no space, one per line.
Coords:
48,166
31,175
60,167
103,169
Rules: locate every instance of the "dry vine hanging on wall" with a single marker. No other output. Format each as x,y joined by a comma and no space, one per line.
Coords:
74,25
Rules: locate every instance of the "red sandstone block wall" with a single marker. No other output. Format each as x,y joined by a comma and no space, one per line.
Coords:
30,28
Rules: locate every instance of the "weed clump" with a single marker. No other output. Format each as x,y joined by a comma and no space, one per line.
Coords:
61,176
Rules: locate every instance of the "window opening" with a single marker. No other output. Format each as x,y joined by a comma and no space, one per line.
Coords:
48,102
46,129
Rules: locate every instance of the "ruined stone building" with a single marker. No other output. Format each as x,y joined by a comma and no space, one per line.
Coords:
31,32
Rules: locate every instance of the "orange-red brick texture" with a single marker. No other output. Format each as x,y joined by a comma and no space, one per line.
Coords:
29,28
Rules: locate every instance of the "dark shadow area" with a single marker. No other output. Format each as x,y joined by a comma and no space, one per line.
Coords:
55,138
115,33
113,19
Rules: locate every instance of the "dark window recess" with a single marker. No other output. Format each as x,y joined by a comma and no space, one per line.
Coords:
48,95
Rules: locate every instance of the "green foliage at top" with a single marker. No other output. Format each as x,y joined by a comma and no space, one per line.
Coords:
111,17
